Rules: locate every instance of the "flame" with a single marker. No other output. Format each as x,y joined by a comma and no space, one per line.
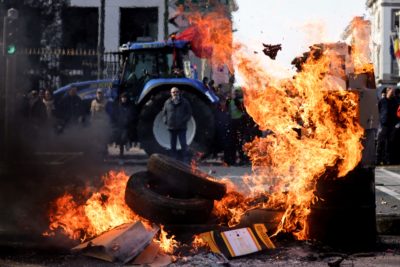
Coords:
314,126
198,242
92,213
167,245
99,212
211,36
360,31
312,121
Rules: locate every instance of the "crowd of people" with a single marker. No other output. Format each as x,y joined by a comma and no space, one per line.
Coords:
388,137
43,115
233,125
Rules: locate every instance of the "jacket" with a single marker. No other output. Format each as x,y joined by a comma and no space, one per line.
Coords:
176,115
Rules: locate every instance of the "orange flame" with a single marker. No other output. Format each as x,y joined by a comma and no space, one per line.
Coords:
198,242
312,120
314,125
102,211
211,36
167,245
94,212
360,31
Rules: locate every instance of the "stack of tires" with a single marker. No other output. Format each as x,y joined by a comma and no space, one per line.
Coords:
171,192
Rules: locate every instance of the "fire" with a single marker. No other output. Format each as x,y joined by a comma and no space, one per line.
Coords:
360,31
198,242
92,213
167,245
314,126
211,36
311,120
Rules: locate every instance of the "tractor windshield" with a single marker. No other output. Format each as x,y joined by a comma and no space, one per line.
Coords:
142,65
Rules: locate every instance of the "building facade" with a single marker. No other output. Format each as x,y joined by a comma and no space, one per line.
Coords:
384,27
127,20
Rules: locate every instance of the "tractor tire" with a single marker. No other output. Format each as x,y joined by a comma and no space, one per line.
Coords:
154,136
153,201
185,181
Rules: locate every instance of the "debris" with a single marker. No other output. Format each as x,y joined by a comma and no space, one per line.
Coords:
121,244
335,261
148,255
272,50
238,242
270,218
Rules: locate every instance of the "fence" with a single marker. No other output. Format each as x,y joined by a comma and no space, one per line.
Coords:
53,68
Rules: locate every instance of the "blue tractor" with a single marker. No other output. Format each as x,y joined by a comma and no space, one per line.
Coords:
148,72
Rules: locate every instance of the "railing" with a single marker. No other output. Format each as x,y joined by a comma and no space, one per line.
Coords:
55,67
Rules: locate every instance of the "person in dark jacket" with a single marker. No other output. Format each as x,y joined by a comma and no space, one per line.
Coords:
71,108
35,112
176,114
122,117
387,118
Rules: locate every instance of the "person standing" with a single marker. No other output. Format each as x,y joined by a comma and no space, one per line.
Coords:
387,118
98,106
48,101
35,111
123,115
237,115
176,112
71,108
100,122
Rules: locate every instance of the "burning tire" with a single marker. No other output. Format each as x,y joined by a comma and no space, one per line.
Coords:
156,202
153,133
186,182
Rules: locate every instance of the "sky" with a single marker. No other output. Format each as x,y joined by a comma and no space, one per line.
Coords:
296,24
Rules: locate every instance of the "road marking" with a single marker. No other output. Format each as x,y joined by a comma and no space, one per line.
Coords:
388,176
390,173
389,192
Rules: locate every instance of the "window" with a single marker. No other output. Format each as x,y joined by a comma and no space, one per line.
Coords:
138,22
395,20
80,27
394,67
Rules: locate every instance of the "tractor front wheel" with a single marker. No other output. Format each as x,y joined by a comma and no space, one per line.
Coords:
153,133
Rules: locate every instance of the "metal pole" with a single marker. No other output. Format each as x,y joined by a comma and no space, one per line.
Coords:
4,35
166,16
100,40
9,100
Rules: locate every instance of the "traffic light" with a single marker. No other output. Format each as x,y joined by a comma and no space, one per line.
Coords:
11,32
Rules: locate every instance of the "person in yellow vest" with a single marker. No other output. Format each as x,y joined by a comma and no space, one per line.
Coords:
237,115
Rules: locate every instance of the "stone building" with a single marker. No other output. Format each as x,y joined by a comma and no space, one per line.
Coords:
384,27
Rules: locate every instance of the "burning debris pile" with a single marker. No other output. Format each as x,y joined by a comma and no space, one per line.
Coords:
312,131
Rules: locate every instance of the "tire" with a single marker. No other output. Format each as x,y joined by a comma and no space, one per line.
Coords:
154,136
150,200
185,182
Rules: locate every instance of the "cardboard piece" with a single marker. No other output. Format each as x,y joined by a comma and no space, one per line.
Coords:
238,242
148,255
121,244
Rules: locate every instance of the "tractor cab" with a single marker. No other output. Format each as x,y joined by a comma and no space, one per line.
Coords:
145,61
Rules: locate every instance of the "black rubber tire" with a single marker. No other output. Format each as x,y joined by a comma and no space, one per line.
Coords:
203,115
185,181
145,197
